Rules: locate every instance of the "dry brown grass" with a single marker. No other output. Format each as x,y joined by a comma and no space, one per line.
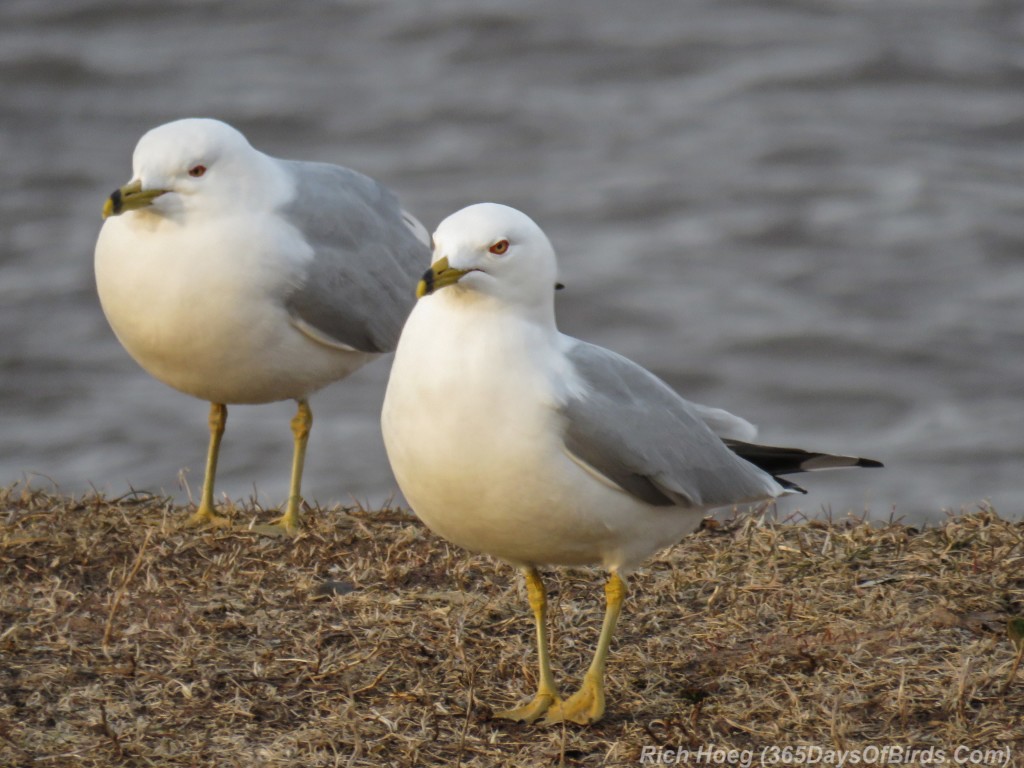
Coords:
368,641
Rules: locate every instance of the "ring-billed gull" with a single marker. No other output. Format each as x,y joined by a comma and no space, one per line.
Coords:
510,438
237,277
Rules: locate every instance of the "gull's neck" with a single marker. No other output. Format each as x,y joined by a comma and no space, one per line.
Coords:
482,306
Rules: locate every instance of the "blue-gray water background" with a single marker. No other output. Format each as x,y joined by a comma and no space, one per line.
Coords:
809,213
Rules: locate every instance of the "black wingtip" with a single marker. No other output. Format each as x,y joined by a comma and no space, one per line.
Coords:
776,460
789,485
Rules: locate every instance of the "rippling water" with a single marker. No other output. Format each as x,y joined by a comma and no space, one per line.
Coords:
810,213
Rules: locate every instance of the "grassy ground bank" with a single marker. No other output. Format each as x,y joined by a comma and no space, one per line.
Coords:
368,641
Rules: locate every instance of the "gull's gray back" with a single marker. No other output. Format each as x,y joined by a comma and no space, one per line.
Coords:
632,428
360,286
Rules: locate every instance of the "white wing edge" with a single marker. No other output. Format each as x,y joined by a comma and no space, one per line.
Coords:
319,336
590,470
727,426
416,227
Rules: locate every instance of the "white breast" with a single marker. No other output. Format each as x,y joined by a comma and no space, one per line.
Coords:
472,429
201,308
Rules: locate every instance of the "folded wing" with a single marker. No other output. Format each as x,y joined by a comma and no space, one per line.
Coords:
632,429
368,255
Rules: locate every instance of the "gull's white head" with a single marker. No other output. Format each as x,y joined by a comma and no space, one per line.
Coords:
190,164
494,250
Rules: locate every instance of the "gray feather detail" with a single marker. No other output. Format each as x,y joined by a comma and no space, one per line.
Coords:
417,228
633,429
724,424
360,286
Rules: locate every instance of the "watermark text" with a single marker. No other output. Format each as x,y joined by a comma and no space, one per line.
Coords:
777,755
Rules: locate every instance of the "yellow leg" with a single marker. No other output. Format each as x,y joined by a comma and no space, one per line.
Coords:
587,704
288,523
547,693
205,514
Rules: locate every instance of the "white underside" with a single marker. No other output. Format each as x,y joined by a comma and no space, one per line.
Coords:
201,308
472,430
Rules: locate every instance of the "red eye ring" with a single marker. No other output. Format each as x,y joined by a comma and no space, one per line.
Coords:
499,247
196,171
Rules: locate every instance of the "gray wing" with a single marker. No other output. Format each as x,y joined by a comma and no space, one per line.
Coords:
368,255
633,429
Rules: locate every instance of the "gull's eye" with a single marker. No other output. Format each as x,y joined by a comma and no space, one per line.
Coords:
196,171
499,247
